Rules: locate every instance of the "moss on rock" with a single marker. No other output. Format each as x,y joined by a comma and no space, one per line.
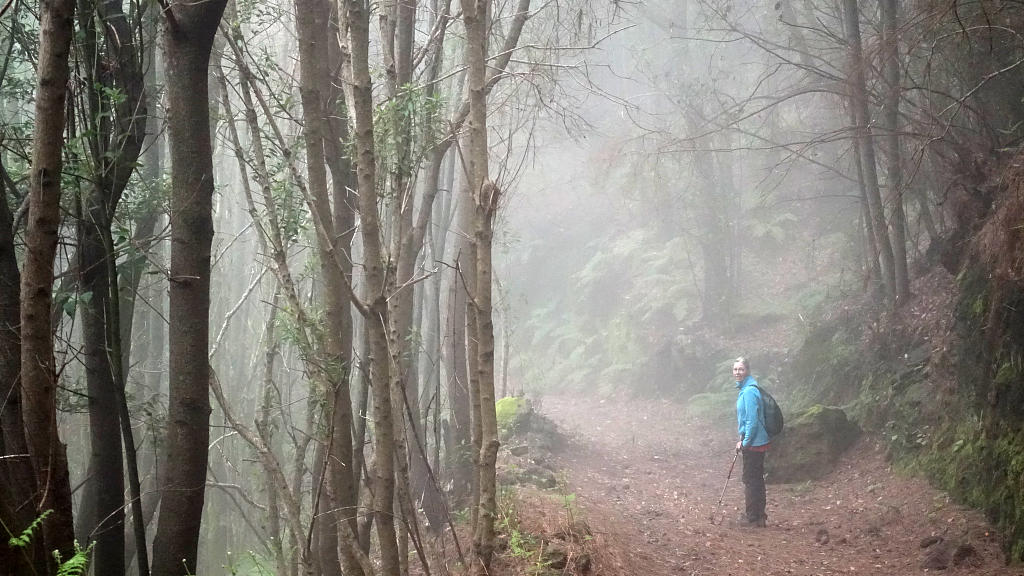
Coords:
812,443
513,415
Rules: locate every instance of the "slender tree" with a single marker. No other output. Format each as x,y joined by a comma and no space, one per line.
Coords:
891,113
485,196
115,118
865,141
17,482
189,30
38,371
356,18
313,23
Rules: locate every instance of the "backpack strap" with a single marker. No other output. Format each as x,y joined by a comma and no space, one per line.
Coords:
760,406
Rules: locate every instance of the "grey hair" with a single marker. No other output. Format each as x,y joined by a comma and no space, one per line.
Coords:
743,360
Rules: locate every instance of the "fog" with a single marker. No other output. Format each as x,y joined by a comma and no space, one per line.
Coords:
687,130
669,185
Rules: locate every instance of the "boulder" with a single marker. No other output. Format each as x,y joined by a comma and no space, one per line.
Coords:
810,445
556,555
937,556
520,450
514,414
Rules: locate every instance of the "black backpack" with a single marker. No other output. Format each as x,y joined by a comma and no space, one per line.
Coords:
773,420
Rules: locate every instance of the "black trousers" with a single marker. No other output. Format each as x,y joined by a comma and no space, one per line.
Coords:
753,482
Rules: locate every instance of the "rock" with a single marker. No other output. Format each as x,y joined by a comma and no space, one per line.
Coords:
514,414
578,530
583,563
500,543
965,553
930,540
539,477
507,477
938,556
821,537
521,450
545,441
556,554
810,446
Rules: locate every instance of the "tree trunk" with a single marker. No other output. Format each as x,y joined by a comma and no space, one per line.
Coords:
357,17
475,16
104,496
459,440
345,478
17,483
265,429
439,233
891,68
466,315
188,38
313,23
38,373
859,101
116,131
872,270
151,349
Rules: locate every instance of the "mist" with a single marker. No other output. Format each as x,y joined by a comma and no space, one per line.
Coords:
462,270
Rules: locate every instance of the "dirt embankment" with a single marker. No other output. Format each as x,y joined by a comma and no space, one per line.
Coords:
648,479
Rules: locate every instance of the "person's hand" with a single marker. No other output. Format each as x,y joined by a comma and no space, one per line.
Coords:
739,446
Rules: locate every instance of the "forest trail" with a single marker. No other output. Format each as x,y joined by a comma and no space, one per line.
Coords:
647,479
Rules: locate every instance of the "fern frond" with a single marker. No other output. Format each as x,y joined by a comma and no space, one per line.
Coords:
24,540
77,565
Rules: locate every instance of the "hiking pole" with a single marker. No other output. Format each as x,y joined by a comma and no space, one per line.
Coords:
720,498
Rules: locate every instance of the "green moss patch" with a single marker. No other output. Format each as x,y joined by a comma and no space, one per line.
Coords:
811,445
513,415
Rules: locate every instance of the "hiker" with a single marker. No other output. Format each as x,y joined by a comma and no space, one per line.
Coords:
753,442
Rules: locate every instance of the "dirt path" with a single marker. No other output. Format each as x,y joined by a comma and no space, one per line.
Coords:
648,480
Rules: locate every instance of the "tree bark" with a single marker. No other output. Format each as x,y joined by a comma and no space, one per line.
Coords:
104,496
38,372
313,24
151,348
17,482
475,17
357,18
459,437
344,478
188,38
466,317
116,132
865,141
891,68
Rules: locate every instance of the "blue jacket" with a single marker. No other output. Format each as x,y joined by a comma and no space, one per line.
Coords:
748,413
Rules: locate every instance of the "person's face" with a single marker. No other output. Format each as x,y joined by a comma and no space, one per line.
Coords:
739,371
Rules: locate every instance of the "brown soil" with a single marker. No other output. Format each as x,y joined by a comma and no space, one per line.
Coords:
648,478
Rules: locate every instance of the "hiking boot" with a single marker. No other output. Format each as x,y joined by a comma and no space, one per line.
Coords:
745,522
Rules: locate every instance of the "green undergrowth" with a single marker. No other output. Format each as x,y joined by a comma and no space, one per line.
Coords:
529,521
76,565
829,367
249,564
712,406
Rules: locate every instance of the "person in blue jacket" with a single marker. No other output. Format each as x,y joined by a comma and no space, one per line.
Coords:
753,442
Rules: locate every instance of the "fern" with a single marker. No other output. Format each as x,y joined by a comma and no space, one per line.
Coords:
77,565
24,540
